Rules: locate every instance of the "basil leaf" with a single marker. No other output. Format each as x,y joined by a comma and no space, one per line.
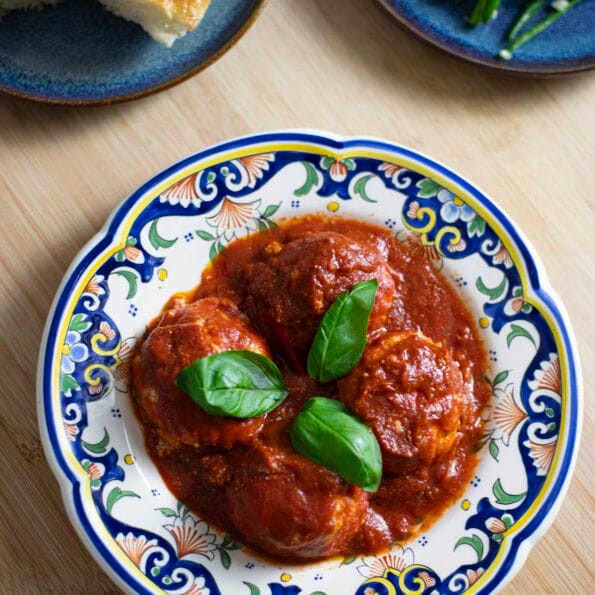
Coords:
341,337
233,384
327,433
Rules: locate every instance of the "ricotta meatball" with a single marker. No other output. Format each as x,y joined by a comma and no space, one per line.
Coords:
293,287
182,335
412,394
291,508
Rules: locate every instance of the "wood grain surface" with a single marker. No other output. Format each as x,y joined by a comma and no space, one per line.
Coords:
337,65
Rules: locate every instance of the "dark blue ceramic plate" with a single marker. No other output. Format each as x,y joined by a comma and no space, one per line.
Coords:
567,46
78,53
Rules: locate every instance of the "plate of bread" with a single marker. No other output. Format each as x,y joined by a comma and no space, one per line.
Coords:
89,52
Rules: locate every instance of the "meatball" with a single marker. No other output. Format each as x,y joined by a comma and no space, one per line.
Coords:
412,394
289,507
296,283
182,335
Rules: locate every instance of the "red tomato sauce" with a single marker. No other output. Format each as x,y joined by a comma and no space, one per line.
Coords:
420,387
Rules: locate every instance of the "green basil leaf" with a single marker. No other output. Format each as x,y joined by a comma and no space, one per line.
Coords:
326,432
341,337
233,384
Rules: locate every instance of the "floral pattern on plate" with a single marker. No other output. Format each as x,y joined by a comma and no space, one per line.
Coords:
157,243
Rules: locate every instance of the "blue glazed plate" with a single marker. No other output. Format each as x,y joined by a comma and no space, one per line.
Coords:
78,53
567,46
157,243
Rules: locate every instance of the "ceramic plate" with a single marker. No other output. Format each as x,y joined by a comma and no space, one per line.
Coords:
568,46
157,243
78,53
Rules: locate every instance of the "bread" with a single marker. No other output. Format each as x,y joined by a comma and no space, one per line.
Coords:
164,20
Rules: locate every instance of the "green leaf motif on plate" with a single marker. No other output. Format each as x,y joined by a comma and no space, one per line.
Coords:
503,497
97,447
360,188
500,377
254,590
158,241
518,331
310,182
79,323
205,235
476,227
428,188
492,292
167,512
475,542
494,450
132,280
68,383
117,494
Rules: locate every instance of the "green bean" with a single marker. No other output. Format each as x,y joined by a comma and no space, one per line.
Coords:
491,10
477,14
484,11
526,16
506,52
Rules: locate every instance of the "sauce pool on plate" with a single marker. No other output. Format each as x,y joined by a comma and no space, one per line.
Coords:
419,387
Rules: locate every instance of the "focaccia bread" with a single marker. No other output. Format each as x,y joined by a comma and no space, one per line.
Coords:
164,20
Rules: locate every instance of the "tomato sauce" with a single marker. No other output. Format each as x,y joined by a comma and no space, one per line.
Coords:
420,387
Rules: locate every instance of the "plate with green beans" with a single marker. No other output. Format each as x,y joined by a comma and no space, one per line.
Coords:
527,37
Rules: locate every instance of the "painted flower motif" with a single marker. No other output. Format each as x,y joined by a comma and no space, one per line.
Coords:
473,575
107,330
198,587
458,246
72,431
389,169
548,377
256,165
183,193
73,352
542,454
130,252
121,371
506,414
428,580
416,246
192,536
94,286
517,303
393,561
413,209
337,168
135,547
234,219
95,389
453,208
95,471
498,526
502,257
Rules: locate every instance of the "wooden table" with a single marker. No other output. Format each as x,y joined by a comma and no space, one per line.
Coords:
339,65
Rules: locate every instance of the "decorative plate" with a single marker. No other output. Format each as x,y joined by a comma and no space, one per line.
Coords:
157,243
566,47
84,55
